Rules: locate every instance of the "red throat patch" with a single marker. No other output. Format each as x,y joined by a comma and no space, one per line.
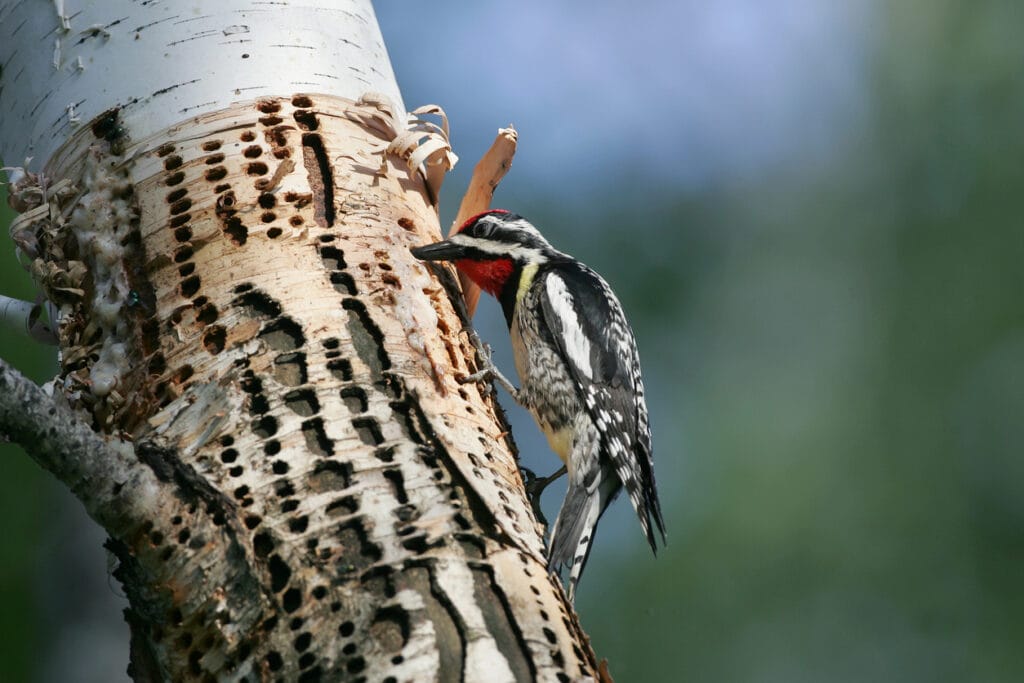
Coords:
490,275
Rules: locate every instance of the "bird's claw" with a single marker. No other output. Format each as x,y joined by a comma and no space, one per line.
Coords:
488,371
535,487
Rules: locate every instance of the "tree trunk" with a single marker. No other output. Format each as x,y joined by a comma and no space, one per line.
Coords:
294,484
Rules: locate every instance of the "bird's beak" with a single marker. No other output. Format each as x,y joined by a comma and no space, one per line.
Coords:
439,251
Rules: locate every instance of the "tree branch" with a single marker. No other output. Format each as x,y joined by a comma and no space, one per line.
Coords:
112,484
488,172
24,318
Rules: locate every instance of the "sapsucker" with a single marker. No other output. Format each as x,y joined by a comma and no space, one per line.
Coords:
579,370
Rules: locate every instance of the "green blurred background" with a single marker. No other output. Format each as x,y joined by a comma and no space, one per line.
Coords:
834,348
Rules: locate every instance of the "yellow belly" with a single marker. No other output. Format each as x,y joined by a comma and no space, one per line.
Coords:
560,442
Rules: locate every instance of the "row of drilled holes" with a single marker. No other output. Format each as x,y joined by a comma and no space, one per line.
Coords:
306,405
228,455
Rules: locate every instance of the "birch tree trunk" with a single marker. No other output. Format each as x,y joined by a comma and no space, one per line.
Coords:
257,395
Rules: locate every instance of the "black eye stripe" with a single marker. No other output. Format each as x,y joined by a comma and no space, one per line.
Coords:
481,255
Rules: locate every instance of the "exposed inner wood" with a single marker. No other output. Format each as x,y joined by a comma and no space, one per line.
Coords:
286,367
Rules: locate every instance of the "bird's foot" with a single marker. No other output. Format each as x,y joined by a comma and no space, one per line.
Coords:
535,488
488,371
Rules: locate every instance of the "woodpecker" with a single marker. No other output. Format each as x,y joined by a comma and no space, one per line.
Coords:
579,373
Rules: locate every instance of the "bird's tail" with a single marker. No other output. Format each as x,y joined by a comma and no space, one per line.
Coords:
573,532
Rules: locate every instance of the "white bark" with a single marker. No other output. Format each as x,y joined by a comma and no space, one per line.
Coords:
66,62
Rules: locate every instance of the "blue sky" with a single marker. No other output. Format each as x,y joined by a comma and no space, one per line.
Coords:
678,93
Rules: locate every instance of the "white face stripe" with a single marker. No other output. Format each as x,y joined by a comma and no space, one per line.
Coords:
516,252
576,344
502,221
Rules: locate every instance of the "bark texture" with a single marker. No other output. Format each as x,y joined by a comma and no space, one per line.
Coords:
307,494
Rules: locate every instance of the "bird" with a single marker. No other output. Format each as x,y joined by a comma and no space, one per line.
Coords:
579,370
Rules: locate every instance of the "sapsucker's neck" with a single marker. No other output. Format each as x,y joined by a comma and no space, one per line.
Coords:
507,295
516,287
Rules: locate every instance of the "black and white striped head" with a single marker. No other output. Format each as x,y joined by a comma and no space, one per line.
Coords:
490,247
